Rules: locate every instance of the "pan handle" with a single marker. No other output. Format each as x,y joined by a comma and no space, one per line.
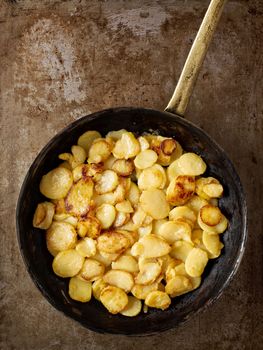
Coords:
196,56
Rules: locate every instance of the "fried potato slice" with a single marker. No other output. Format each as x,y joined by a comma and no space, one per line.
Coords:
78,153
175,230
138,216
145,230
43,215
209,187
72,220
67,263
86,247
158,299
143,143
126,147
126,263
180,190
121,219
123,167
212,244
78,200
114,299
191,164
195,203
79,290
141,291
113,242
92,270
107,182
156,225
99,151
56,183
154,203
210,215
133,308
149,272
216,229
145,159
151,246
168,146
152,177
181,249
86,139
173,170
195,262
60,236
97,288
183,212
133,194
178,285
119,278
124,206
90,227
116,134
106,215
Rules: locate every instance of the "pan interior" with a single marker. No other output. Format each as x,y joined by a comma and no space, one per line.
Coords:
218,272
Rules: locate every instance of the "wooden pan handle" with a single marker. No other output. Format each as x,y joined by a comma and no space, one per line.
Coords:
196,56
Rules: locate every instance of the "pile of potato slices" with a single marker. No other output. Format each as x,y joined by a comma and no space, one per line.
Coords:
130,220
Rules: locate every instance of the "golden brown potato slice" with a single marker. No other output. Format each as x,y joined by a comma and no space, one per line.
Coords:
106,215
86,247
168,146
121,219
182,212
195,262
78,200
56,183
149,272
191,164
113,242
99,151
119,278
107,182
180,190
210,215
138,216
116,134
90,227
123,167
133,194
154,203
178,285
114,299
175,230
141,291
79,153
145,159
126,263
72,220
43,215
133,308
145,230
151,246
173,170
127,147
124,206
152,177
212,244
60,236
181,249
97,287
79,290
143,143
86,139
209,187
158,299
67,263
195,203
91,270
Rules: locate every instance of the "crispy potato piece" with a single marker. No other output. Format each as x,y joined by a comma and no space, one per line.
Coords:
121,219
145,159
91,270
60,207
138,216
125,207
68,157
79,290
119,278
195,262
132,236
97,288
129,226
183,212
108,163
210,215
83,171
105,258
163,159
113,242
180,190
173,170
106,215
99,151
175,230
149,272
86,247
119,193
212,244
143,143
116,134
126,263
156,224
79,153
219,228
158,299
151,246
208,187
72,220
191,164
123,167
196,203
90,227
43,215
114,299
133,308
197,237
56,183
133,194
141,291
127,147
78,200
178,285
145,230
110,256
86,139
67,263
180,250
174,268
153,202
213,190
168,146
60,236
152,177
107,182
106,198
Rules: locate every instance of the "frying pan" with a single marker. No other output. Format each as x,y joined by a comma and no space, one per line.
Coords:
170,123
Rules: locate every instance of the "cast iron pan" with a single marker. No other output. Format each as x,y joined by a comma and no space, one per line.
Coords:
217,274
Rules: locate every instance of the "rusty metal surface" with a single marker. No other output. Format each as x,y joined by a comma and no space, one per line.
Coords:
60,60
